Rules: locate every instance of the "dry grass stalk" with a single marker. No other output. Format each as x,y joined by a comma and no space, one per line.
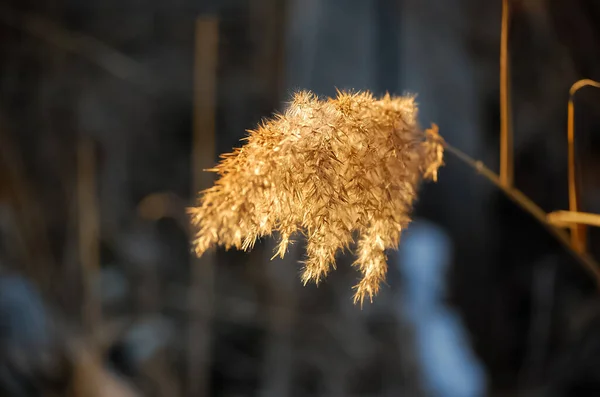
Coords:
89,232
519,198
506,131
578,231
570,218
329,169
201,294
30,240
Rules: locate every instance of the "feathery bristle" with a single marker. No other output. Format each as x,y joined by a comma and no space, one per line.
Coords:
326,168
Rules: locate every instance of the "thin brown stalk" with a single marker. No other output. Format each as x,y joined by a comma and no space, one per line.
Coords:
30,240
532,208
570,218
203,146
578,231
89,248
268,21
506,131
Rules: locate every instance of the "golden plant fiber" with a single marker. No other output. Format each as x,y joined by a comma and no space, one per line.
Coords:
336,170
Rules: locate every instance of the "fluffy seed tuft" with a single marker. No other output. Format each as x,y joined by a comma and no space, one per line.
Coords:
325,168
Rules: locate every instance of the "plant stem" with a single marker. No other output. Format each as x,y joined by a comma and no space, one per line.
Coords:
532,208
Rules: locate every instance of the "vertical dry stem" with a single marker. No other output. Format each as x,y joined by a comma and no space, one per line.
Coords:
578,231
202,269
506,132
89,248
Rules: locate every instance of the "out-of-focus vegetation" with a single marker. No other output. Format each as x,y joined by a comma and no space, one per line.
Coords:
106,108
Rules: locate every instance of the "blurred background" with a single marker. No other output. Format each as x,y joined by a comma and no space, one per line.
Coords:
109,110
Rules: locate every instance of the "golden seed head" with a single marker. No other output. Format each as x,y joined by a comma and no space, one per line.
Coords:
326,168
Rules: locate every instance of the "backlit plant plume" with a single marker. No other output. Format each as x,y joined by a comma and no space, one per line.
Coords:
339,170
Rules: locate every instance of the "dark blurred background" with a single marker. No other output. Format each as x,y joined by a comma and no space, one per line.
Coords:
106,116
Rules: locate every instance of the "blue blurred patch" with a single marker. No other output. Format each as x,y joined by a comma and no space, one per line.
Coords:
450,369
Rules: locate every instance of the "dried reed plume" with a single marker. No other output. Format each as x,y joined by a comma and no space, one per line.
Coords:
326,168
